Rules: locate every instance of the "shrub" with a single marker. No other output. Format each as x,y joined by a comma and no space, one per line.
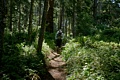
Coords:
111,34
95,60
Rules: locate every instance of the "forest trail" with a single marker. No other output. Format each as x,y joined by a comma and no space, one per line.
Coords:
56,66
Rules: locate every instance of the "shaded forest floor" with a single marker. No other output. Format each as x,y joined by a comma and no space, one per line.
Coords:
56,66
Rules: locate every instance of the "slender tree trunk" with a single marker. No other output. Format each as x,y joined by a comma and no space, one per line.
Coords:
78,13
3,12
95,10
99,7
30,21
39,23
66,27
61,13
58,27
73,19
69,26
49,20
43,27
26,17
63,21
11,6
19,21
99,11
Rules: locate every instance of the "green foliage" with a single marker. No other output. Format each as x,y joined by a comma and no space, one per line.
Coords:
85,24
93,60
112,34
16,37
20,59
50,39
46,48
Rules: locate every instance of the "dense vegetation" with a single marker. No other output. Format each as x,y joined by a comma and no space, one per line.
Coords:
20,59
93,57
91,46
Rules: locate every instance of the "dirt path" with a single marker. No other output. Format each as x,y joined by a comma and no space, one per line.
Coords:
56,66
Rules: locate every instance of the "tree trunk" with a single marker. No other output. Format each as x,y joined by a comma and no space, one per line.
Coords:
43,27
39,23
11,6
69,28
26,16
30,21
66,27
49,20
99,11
95,10
2,25
73,19
61,13
19,21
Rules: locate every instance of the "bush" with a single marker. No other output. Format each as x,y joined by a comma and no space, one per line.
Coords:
50,39
95,60
112,34
21,58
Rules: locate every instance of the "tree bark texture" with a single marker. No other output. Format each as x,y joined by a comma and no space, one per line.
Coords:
39,23
30,21
3,12
95,9
19,21
11,11
61,15
26,16
73,19
66,27
43,27
49,20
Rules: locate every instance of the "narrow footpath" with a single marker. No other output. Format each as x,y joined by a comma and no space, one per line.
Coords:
56,66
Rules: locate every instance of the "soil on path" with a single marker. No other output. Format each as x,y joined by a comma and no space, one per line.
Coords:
56,66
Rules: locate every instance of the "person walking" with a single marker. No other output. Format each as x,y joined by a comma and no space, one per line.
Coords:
58,39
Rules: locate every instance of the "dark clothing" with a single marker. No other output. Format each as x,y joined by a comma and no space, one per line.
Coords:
58,38
58,42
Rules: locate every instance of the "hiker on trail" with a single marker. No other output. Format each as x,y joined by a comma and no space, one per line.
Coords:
58,38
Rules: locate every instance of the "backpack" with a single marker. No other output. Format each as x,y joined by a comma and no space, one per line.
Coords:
59,35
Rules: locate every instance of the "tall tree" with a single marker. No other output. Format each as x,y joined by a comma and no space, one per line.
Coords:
3,12
39,13
11,11
25,10
73,19
61,20
43,27
61,13
30,21
19,21
66,27
49,20
95,9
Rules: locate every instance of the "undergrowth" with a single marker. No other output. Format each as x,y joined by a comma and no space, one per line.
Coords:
89,59
20,60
